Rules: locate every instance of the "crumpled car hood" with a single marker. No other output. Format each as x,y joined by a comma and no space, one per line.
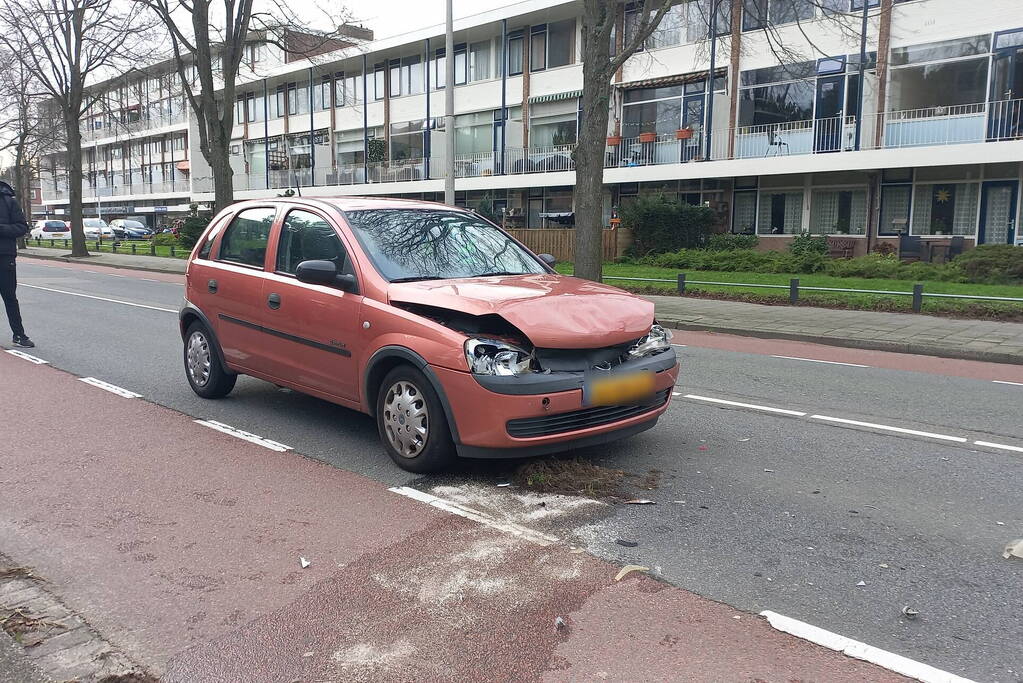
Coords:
554,311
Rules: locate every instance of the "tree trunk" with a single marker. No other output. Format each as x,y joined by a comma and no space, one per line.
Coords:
74,190
219,158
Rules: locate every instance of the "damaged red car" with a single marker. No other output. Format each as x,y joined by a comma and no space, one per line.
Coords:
452,335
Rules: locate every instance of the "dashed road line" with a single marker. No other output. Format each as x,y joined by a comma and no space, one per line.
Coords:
751,406
854,648
1015,384
516,530
100,298
24,356
888,428
817,360
112,388
1000,446
244,436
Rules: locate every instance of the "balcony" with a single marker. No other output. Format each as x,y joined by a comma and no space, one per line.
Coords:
58,190
122,130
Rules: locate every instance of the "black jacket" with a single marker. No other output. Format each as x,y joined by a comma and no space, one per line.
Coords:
12,221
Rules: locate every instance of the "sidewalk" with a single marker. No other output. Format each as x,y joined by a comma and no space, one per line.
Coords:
982,340
180,546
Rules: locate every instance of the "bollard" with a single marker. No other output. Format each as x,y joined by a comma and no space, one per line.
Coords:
152,250
918,297
793,290
681,283
132,248
172,251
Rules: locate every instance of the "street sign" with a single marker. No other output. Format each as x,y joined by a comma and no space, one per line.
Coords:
159,209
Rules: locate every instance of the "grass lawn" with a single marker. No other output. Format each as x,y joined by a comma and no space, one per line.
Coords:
966,308
142,247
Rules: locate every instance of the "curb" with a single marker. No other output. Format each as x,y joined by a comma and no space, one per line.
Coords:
92,260
866,344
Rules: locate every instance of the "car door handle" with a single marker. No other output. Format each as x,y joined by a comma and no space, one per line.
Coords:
212,286
274,301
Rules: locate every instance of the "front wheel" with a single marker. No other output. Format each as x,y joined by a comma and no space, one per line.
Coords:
411,422
206,374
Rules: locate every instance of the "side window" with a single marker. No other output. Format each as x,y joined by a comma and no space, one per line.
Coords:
246,238
308,237
207,246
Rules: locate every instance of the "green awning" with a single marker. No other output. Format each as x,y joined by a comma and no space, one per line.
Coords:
556,97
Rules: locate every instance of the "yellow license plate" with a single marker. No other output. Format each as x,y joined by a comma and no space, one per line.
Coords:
620,389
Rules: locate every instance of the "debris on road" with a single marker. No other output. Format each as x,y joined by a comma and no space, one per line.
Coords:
1000,523
559,623
627,544
767,470
703,448
861,584
503,484
302,562
910,613
640,501
628,569
744,440
1014,549
574,476
883,565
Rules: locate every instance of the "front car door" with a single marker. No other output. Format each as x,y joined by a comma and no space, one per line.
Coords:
311,331
233,283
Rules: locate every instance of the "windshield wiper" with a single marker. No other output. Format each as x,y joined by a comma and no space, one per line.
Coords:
499,272
418,278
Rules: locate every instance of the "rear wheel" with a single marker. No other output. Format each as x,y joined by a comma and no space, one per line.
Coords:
412,423
205,373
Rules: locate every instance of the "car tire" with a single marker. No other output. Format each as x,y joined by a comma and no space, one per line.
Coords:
203,369
411,422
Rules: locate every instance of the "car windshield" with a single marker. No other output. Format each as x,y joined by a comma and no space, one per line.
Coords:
134,225
437,244
94,223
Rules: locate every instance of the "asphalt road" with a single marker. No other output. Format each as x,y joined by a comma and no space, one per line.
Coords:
756,509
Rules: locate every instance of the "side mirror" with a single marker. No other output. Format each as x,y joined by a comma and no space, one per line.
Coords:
324,273
548,259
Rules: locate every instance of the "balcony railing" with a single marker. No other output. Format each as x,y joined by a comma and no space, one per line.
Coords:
59,190
117,129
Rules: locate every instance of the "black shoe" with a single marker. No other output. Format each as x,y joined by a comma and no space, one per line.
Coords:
24,342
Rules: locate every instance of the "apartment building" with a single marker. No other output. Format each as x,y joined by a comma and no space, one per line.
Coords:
765,112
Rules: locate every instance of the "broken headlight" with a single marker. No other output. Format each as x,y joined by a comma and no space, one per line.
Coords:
493,357
658,339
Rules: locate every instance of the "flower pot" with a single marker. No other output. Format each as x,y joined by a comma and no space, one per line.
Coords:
614,140
648,137
683,133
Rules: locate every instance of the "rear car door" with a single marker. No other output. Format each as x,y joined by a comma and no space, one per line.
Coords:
312,330
233,283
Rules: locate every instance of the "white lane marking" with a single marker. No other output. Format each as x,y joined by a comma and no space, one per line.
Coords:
1002,446
676,393
816,360
244,436
112,388
888,428
24,356
681,346
1015,384
752,406
100,298
455,509
149,279
854,648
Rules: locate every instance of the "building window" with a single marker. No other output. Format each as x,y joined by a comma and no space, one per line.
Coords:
322,98
838,212
474,133
515,53
758,14
379,91
440,73
461,64
538,48
744,216
394,72
277,107
945,209
412,75
553,124
407,140
552,45
949,73
895,204
479,61
239,110
780,212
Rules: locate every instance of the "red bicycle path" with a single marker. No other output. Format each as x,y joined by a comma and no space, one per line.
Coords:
181,546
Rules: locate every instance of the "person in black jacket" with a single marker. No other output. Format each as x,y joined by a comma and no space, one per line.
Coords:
12,226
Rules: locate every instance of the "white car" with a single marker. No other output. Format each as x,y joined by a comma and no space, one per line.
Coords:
50,230
97,229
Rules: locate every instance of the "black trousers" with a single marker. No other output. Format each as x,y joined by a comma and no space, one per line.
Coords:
8,285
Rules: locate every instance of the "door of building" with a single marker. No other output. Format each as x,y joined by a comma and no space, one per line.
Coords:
998,204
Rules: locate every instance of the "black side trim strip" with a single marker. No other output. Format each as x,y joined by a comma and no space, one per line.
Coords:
284,335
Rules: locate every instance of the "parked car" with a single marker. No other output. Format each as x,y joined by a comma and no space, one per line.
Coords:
97,229
50,230
452,335
128,229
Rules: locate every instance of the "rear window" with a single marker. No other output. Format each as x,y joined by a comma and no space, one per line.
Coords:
54,226
94,223
245,240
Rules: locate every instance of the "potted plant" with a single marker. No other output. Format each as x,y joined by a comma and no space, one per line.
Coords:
939,227
684,133
647,137
614,140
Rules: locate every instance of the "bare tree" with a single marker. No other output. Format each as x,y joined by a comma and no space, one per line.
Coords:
599,20
64,44
208,38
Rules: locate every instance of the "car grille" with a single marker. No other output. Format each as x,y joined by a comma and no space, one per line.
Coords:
547,425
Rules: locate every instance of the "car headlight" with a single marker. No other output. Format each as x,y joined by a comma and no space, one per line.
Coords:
658,339
493,357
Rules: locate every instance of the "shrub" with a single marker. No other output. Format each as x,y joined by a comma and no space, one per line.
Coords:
992,263
193,226
166,239
730,242
660,224
809,244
